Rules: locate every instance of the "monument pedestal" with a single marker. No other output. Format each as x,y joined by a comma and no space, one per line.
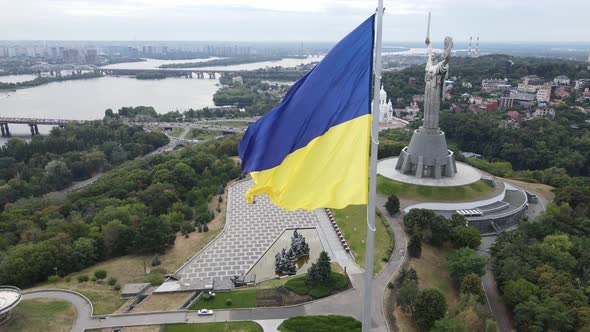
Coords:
427,156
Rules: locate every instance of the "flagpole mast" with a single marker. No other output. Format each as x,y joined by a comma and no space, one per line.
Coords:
373,173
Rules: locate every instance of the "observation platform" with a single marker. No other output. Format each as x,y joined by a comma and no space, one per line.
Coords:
465,175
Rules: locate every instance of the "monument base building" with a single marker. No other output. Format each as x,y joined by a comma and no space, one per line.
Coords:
427,156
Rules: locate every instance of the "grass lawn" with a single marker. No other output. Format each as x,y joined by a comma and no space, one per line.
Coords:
163,302
470,192
129,268
433,272
215,327
352,221
201,134
241,298
298,285
45,315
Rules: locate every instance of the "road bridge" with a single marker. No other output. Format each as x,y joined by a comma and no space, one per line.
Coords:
33,123
188,72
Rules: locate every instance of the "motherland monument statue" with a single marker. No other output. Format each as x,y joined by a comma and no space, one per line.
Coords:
428,155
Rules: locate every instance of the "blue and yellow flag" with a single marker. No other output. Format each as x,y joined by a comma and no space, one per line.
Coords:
312,150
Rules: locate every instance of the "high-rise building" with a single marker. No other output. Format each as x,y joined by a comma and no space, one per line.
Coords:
91,57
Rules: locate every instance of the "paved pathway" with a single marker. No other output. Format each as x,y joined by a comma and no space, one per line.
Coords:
249,231
81,303
333,246
348,303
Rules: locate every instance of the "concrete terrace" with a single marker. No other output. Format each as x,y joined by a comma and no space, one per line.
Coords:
250,231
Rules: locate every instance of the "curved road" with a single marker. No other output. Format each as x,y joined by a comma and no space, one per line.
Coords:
347,303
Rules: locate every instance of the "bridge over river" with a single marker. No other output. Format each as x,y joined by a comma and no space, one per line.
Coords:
33,123
191,72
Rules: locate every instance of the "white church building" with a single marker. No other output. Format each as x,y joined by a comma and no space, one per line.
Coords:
386,112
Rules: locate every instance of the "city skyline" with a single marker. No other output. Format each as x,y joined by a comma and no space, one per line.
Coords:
295,21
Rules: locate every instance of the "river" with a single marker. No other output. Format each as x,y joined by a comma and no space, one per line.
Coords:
88,99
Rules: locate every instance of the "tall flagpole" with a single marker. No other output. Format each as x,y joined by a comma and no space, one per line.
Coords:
373,173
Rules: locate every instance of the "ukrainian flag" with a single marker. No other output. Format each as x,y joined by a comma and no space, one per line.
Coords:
312,150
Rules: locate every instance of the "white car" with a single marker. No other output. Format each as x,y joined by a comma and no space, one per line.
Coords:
205,312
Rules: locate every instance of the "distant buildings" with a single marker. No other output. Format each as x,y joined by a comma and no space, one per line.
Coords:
71,56
582,84
493,84
513,116
562,80
544,112
489,105
530,84
544,94
505,102
412,111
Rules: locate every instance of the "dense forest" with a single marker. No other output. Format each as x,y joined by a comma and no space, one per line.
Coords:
136,208
73,153
543,268
563,142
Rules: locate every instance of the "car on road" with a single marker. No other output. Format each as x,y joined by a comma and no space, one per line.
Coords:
204,312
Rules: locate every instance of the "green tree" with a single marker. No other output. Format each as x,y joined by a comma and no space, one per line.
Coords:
392,205
154,236
186,228
519,291
159,197
546,315
430,307
415,246
466,237
471,284
57,174
320,272
465,261
407,296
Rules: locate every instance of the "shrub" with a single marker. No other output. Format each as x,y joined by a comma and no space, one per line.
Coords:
53,278
321,323
447,325
117,287
228,303
112,281
392,205
299,286
207,297
68,279
390,285
82,278
205,228
100,274
155,279
93,279
320,291
155,260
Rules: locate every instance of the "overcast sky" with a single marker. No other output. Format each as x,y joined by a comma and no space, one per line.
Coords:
291,20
